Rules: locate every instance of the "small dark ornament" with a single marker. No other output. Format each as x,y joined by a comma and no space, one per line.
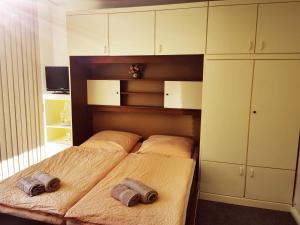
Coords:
136,71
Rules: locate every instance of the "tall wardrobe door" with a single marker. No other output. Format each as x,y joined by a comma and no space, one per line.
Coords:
275,117
225,110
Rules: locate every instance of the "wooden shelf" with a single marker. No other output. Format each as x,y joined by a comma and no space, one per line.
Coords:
144,109
141,79
64,97
60,141
59,125
143,93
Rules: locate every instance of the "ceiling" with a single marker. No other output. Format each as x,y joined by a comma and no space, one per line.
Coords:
96,4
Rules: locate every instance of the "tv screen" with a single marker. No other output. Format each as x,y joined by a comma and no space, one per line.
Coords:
57,79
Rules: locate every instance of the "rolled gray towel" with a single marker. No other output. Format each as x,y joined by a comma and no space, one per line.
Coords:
30,186
51,183
125,195
148,194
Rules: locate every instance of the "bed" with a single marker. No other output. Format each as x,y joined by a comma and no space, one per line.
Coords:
174,177
79,168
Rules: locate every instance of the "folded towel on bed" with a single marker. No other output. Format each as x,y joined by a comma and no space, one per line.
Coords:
30,186
51,183
125,195
148,195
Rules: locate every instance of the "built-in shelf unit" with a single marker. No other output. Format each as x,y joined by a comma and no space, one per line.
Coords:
106,87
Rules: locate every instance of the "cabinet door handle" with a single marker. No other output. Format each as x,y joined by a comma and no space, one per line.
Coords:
160,48
254,111
117,92
251,172
262,45
250,45
241,171
167,94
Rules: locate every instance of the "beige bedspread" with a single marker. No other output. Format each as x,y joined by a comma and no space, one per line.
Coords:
170,176
79,170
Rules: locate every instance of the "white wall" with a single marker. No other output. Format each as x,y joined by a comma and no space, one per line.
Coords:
52,36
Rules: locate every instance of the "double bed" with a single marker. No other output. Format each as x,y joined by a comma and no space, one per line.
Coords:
88,173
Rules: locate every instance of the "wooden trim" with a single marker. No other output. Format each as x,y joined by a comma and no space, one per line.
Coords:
199,4
138,59
143,109
194,192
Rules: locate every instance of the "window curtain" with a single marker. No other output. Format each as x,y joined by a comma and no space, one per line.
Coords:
21,130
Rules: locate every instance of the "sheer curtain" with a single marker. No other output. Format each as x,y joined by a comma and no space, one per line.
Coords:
21,132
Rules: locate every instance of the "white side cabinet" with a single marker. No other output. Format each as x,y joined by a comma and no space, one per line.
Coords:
183,94
231,29
266,184
181,31
132,33
103,92
87,35
278,28
222,178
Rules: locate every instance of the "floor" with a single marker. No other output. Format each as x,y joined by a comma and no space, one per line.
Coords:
213,213
210,213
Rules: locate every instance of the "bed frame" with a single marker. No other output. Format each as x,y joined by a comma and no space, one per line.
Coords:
145,121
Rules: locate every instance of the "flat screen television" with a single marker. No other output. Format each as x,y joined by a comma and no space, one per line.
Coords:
57,79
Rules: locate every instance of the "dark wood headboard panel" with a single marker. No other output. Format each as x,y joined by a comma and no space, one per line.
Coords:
147,124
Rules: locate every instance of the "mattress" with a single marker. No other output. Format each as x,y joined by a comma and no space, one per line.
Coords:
78,168
170,176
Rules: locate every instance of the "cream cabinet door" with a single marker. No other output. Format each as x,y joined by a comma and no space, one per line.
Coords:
278,28
267,184
103,92
225,110
131,33
181,31
87,35
231,29
183,94
222,178
275,117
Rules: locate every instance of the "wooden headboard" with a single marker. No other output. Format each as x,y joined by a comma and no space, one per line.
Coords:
143,120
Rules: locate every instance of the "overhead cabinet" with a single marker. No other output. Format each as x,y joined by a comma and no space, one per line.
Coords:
87,35
131,33
255,28
263,135
181,31
156,32
278,28
183,94
231,29
178,94
103,92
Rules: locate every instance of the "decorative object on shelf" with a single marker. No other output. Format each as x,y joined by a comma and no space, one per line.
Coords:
136,71
68,136
65,117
